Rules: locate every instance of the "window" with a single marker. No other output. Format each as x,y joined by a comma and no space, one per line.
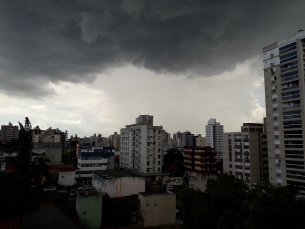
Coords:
288,48
288,57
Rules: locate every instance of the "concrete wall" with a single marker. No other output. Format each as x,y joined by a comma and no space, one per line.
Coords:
66,178
119,187
89,210
157,209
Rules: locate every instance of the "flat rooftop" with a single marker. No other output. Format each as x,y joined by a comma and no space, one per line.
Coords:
110,174
156,194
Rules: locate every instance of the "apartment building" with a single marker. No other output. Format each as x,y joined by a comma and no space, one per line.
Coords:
214,135
284,91
141,146
92,159
199,161
50,143
8,132
242,154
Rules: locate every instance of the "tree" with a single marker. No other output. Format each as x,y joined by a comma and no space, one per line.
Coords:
25,146
39,168
222,199
173,161
193,206
270,206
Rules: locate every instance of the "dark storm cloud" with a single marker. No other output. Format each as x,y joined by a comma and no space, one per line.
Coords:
52,41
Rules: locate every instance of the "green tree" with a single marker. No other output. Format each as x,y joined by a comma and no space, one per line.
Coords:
39,168
193,206
270,206
173,161
25,147
222,200
225,196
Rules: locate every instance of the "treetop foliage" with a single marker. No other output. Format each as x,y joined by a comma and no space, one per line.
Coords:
229,203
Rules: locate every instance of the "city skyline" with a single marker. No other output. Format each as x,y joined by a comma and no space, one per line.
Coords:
94,67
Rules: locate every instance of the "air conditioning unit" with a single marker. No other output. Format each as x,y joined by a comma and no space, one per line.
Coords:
277,155
273,90
276,136
276,127
278,174
277,146
274,118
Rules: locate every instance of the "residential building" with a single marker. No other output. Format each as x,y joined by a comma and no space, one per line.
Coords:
50,143
89,208
115,141
8,132
141,146
199,161
214,136
91,159
158,208
242,153
66,175
118,183
200,141
177,139
285,107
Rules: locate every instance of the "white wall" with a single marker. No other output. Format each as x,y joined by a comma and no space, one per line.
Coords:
119,187
66,178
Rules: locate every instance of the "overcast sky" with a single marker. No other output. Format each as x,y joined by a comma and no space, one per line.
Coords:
93,66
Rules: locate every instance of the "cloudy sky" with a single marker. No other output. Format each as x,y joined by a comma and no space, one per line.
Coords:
93,66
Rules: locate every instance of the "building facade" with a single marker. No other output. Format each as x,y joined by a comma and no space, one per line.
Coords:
284,91
118,183
214,136
49,143
158,208
92,159
141,146
199,161
242,154
8,132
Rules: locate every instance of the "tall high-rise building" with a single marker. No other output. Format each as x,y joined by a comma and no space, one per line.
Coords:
141,146
214,135
285,107
8,132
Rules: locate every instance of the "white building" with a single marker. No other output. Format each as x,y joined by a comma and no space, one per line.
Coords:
141,146
158,208
214,136
118,183
93,159
66,175
285,99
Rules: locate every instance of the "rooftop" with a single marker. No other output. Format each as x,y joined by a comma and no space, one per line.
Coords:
110,174
156,194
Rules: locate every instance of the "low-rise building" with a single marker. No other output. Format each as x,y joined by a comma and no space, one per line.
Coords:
158,208
89,208
118,183
92,159
66,175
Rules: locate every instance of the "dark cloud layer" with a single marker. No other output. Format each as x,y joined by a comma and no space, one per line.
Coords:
68,40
